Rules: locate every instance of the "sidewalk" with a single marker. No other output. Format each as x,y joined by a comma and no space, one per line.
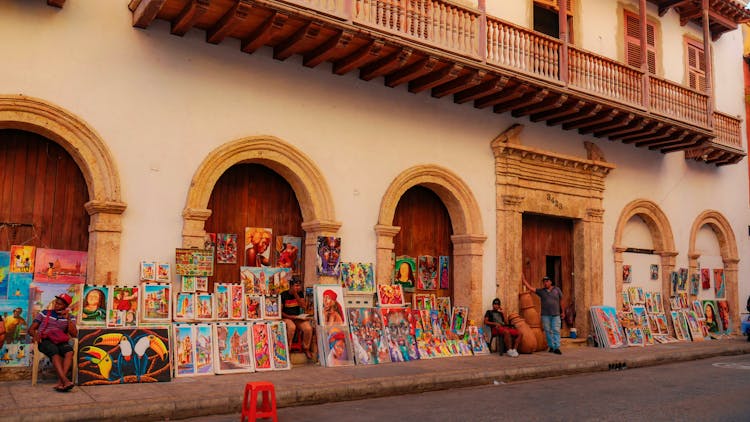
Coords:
308,384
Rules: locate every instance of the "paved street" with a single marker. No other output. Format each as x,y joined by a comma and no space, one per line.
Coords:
715,389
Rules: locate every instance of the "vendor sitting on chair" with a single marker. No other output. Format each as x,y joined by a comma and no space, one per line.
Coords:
495,319
292,312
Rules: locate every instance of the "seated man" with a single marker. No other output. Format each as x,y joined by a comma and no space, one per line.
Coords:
292,311
495,319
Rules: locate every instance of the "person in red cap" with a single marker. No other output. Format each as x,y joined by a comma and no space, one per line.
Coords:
333,314
51,330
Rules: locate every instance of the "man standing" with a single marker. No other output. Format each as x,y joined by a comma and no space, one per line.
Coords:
552,312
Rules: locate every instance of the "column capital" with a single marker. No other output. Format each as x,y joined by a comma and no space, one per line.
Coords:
386,231
321,226
595,214
196,214
106,207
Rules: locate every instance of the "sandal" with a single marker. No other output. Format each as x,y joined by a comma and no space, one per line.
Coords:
59,389
68,387
309,354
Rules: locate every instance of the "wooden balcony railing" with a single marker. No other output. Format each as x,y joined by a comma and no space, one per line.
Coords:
601,76
672,100
727,130
439,23
522,50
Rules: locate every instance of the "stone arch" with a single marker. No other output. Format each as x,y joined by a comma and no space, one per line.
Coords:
90,153
661,235
305,178
729,255
468,238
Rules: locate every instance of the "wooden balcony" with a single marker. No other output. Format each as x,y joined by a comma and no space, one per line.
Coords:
448,49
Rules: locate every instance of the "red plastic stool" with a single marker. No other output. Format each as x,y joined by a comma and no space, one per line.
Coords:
267,408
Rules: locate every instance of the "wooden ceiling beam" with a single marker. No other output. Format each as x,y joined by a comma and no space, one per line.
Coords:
664,6
573,107
502,96
359,58
189,16
622,120
473,78
586,112
603,117
265,31
527,100
684,141
552,102
446,74
145,11
234,16
656,135
648,128
634,126
386,65
481,90
651,129
411,72
326,50
287,48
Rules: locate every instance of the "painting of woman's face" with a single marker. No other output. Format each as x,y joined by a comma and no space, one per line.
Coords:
709,313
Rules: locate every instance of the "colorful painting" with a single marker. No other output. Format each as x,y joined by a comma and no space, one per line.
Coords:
94,305
188,284
654,271
683,278
280,345
204,350
405,272
232,348
334,346
635,336
722,307
607,326
280,280
288,250
674,281
428,273
445,272
258,247
357,277
719,283
397,330
123,356
163,272
272,307
328,256
184,307
201,284
705,278
204,306
426,301
22,259
254,306
221,301
390,295
42,295
148,271
261,347
15,354
368,344
329,304
476,339
226,248
458,319
209,242
16,320
236,302
122,310
257,280
60,266
156,302
627,276
694,284
184,349
693,326
4,271
196,262
697,307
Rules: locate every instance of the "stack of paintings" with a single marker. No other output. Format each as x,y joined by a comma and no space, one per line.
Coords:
368,342
334,339
608,330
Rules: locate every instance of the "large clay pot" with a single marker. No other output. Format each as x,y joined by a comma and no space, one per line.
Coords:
531,315
528,342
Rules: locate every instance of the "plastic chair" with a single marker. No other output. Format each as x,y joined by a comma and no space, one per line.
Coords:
38,356
296,344
267,408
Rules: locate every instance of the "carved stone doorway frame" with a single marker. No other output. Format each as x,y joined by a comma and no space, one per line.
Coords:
542,182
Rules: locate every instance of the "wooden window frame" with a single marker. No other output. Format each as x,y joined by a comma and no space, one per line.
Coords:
690,70
636,42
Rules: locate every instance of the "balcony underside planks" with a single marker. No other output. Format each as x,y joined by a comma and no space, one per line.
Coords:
292,30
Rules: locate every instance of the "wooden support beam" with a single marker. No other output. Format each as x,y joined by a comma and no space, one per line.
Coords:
650,129
511,93
446,74
565,110
687,141
360,57
601,117
326,50
411,72
286,48
552,102
634,126
665,5
56,3
586,112
643,139
472,79
263,34
525,101
189,16
481,90
145,12
234,16
622,120
386,65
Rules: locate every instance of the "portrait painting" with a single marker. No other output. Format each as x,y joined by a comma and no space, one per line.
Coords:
122,310
334,346
60,266
328,256
94,305
722,308
390,295
329,302
398,333
226,248
258,247
405,272
288,252
368,344
427,272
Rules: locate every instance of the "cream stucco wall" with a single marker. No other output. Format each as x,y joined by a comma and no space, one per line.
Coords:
161,103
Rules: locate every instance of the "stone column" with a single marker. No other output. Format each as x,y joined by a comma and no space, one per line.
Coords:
730,280
194,227
105,228
313,229
667,266
509,251
468,252
618,275
589,275
384,252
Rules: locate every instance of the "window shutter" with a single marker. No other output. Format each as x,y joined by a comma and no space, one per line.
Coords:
696,67
633,42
